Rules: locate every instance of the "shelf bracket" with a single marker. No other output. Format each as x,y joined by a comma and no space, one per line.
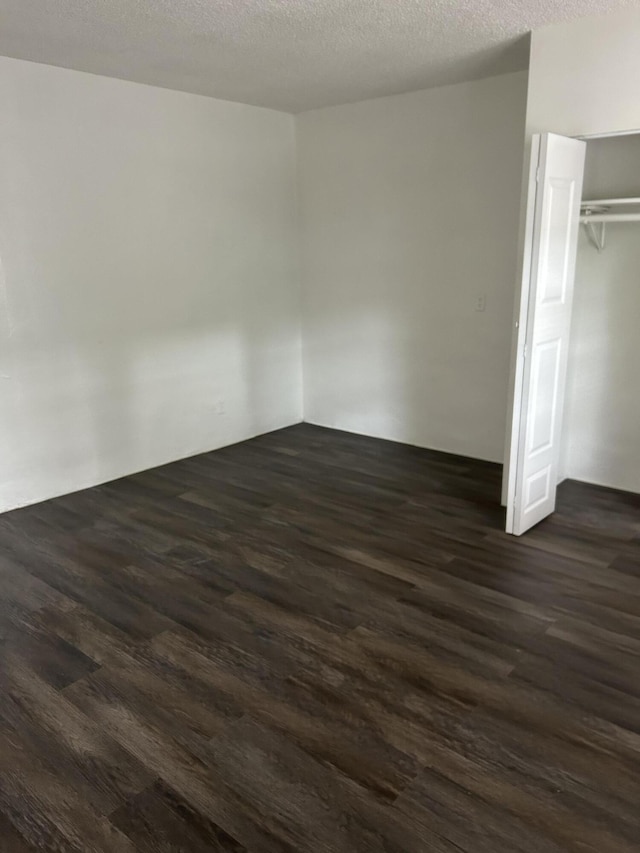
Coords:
597,236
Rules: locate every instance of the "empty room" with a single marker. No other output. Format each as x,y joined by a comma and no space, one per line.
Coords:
319,426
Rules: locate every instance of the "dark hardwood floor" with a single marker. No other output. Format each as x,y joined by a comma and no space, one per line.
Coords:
320,643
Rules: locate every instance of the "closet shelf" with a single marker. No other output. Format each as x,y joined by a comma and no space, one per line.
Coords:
603,210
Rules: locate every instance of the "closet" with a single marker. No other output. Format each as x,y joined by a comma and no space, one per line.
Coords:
576,367
601,429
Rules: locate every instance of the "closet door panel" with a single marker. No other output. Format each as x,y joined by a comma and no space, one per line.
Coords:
544,334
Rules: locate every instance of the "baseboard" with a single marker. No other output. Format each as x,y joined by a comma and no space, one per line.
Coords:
92,483
452,453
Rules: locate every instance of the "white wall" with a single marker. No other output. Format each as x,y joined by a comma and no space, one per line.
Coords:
602,417
409,208
584,76
583,80
147,277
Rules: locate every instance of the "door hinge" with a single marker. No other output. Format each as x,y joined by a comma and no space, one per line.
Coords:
538,175
524,351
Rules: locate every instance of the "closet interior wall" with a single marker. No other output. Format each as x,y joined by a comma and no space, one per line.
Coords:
602,412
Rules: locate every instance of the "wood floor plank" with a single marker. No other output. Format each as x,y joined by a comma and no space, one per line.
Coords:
303,804
44,807
10,839
160,821
558,794
65,740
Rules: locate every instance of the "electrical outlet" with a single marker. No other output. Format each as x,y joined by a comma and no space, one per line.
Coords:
481,302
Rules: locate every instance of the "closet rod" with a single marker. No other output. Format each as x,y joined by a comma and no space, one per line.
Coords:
610,217
598,202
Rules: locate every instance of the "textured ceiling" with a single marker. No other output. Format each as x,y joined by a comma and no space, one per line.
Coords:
285,54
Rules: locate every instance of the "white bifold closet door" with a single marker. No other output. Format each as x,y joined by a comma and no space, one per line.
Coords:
553,221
